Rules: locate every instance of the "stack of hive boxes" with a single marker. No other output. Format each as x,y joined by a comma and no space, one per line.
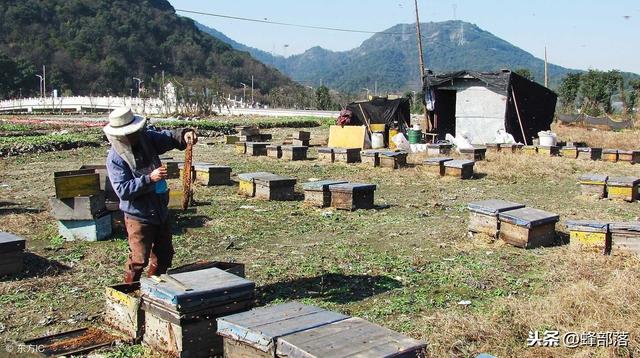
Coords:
181,310
11,254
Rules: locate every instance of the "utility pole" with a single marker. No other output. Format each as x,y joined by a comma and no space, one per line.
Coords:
375,89
425,123
244,92
252,102
546,69
44,80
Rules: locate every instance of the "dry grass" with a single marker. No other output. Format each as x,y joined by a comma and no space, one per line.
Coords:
625,139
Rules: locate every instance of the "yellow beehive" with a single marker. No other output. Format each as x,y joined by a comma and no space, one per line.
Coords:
590,235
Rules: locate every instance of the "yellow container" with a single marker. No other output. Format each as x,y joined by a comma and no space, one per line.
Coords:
246,188
392,133
377,127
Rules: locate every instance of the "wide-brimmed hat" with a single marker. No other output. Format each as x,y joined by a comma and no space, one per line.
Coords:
123,122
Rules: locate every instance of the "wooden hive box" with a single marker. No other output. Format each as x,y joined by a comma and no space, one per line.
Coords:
393,160
70,184
549,151
587,153
507,148
625,237
96,229
300,142
231,139
257,149
483,215
569,152
241,147
78,208
274,151
475,153
302,135
530,149
11,254
123,310
255,333
346,155
247,130
326,154
370,157
294,152
211,174
173,169
247,186
352,337
436,165
181,311
590,235
623,188
528,227
317,193
274,187
610,155
594,185
352,196
437,149
462,169
630,156
493,148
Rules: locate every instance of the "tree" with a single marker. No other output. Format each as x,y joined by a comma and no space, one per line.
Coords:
634,94
323,98
568,91
526,73
596,89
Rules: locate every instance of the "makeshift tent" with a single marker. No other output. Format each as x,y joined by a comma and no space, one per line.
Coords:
381,110
481,103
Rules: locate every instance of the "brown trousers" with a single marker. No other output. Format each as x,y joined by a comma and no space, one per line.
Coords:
148,245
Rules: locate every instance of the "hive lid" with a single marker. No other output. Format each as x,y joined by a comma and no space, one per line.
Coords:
345,150
625,226
589,149
257,144
623,181
207,166
208,286
274,146
261,327
587,225
274,180
10,242
459,163
438,160
610,151
593,177
371,152
352,337
325,150
493,206
628,151
472,150
251,176
393,154
548,147
528,217
439,145
351,187
321,184
296,147
492,145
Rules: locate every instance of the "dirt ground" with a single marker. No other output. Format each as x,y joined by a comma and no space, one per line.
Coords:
406,265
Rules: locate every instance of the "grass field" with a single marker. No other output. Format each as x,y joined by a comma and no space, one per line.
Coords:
405,265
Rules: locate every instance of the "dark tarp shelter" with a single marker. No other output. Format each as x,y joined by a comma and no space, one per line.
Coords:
381,110
480,103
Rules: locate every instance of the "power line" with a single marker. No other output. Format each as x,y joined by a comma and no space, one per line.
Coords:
290,24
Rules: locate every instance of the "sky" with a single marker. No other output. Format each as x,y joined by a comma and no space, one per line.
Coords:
578,34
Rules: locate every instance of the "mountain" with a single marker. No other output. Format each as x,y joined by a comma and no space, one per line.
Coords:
98,46
391,58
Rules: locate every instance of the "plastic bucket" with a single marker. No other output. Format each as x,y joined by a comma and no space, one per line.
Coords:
377,140
547,139
415,137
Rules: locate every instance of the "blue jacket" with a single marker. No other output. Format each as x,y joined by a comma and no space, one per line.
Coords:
138,199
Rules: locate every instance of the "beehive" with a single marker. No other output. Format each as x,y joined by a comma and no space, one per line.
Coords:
96,229
257,149
231,139
70,184
78,208
300,142
346,155
274,151
352,337
507,148
530,149
493,148
255,333
610,155
625,237
590,235
587,153
241,147
11,254
569,152
123,310
629,156
352,196
483,215
274,187
462,169
326,154
294,152
247,130
527,227
549,151
623,188
475,153
436,165
317,193
438,149
247,185
370,157
594,185
181,313
302,135
393,160
211,174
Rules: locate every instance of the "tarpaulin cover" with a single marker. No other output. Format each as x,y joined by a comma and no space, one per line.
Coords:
588,121
382,111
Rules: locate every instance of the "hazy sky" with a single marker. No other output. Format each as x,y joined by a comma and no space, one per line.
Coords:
578,34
